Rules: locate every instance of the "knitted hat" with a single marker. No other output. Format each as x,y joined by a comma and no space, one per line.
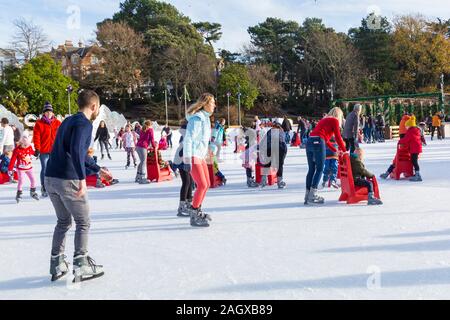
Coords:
25,139
411,122
47,107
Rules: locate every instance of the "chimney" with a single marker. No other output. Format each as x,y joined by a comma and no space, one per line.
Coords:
80,44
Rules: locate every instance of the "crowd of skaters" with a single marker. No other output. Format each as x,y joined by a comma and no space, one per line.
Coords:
67,160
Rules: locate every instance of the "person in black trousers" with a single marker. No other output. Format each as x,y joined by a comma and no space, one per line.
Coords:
103,137
186,178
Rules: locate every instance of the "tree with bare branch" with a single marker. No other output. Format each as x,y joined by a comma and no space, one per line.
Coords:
124,58
29,39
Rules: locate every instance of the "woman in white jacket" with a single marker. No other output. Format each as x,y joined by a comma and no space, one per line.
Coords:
195,150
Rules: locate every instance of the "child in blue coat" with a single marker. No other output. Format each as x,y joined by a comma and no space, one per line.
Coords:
331,167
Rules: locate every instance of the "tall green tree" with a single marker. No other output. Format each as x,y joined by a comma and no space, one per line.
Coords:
275,41
163,27
210,31
375,45
236,79
124,60
41,80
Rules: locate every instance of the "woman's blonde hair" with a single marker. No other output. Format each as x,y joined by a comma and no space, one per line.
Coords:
337,113
204,99
147,124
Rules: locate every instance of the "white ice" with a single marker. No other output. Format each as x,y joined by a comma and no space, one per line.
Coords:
262,244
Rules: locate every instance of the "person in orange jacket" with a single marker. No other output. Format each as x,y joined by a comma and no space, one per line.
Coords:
402,130
44,134
436,126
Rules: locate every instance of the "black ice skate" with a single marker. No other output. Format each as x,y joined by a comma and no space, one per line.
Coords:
198,219
372,201
44,192
251,183
34,194
183,209
18,196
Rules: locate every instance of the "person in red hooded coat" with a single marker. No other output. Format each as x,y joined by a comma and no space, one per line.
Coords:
413,140
44,135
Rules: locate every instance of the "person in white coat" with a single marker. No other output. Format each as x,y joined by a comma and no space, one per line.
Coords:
8,136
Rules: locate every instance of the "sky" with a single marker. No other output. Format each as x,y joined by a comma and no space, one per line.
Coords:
76,19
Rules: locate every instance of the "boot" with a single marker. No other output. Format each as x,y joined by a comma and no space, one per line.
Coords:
334,184
251,183
34,194
263,181
384,175
372,201
143,179
204,215
138,175
416,177
99,184
85,268
306,196
313,198
281,184
114,181
44,192
183,209
197,218
103,156
109,157
19,196
58,266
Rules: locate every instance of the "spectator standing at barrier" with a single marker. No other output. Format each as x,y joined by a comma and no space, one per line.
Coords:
287,128
351,128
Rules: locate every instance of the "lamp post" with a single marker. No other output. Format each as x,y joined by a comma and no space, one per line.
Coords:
441,100
228,103
165,99
69,91
239,103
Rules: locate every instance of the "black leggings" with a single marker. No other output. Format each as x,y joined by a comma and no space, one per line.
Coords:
249,172
281,162
438,130
350,144
364,183
415,161
186,186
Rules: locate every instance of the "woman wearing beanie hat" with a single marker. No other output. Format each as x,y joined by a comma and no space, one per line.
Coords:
44,134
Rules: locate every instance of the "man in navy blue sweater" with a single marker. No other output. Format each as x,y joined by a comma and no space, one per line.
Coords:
65,180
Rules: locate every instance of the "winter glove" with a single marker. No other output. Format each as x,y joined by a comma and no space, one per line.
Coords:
187,167
36,153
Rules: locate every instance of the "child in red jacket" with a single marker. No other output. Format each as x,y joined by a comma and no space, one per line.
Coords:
413,141
21,158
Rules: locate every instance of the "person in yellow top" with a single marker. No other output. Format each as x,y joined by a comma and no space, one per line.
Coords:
402,130
436,125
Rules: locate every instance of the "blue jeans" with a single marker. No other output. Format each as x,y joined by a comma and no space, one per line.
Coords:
44,159
287,137
330,171
315,153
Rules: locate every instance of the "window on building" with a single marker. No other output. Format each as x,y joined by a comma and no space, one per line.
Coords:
75,59
94,60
